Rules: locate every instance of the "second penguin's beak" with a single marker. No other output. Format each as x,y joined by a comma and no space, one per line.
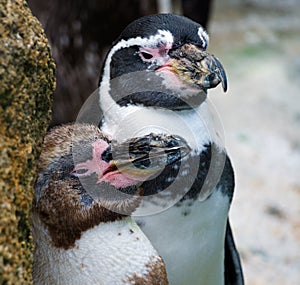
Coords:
146,157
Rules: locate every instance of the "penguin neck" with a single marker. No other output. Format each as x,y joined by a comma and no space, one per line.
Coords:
108,253
199,126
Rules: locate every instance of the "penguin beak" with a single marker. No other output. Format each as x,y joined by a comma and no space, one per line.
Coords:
196,68
144,158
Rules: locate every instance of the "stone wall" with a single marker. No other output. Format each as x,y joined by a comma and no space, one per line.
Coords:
27,74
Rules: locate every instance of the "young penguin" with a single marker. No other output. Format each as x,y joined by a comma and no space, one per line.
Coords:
82,230
155,79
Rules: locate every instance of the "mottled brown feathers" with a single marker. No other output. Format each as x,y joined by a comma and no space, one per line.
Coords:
65,217
61,201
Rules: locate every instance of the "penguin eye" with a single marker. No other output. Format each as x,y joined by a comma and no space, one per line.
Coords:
146,56
79,171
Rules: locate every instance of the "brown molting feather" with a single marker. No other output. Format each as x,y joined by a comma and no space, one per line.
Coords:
156,274
66,218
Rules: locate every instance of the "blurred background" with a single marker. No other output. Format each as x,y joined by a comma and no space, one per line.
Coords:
258,43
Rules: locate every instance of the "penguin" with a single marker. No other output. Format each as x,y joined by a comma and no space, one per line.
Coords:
81,238
155,79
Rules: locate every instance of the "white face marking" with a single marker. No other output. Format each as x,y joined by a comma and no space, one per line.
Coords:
162,36
203,37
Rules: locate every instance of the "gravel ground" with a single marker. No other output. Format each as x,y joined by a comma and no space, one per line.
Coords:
259,45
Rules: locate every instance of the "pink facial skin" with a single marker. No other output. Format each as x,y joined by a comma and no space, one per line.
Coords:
158,54
168,74
171,78
106,171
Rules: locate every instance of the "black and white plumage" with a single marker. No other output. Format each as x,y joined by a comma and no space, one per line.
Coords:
81,238
155,80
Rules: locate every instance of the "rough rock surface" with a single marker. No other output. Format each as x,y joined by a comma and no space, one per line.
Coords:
27,74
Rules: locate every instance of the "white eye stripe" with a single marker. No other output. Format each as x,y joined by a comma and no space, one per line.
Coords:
152,41
203,37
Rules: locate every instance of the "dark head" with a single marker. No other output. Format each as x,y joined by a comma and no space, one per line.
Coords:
160,60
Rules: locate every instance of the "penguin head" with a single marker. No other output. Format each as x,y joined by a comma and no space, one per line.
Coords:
161,60
85,178
80,157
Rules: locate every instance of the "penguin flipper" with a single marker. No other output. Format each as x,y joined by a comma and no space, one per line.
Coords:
233,268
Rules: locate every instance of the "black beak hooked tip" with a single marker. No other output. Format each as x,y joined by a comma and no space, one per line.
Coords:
220,72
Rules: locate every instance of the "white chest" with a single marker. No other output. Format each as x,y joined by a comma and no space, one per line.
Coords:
191,245
109,253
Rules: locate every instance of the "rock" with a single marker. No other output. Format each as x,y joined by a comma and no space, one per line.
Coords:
27,74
